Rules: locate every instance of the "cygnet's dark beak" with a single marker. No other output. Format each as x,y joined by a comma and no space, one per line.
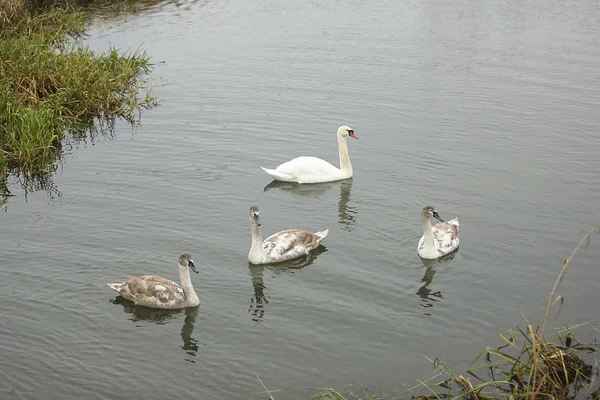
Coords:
437,216
256,219
192,266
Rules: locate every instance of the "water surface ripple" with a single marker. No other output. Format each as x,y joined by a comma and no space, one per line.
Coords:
485,109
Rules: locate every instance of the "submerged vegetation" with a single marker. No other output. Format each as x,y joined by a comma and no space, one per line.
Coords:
541,361
54,89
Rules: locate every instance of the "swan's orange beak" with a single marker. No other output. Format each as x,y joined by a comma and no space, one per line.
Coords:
352,134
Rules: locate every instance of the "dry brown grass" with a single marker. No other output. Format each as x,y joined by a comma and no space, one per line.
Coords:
10,10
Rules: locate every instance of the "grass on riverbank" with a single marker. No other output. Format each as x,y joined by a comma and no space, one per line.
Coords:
532,363
53,88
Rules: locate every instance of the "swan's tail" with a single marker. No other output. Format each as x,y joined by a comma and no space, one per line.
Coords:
321,235
280,176
115,286
454,222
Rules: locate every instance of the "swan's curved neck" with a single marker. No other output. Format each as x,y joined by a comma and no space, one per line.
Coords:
428,234
344,157
256,239
186,284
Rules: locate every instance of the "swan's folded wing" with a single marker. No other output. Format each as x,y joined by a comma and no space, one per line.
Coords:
445,234
149,289
290,243
307,165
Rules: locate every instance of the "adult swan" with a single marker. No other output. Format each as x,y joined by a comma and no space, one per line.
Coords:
314,170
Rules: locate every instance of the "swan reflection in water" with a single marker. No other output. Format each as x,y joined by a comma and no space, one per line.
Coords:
260,298
428,296
346,213
162,317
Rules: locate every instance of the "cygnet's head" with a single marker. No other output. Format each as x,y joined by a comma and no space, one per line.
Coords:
429,212
185,260
254,214
344,131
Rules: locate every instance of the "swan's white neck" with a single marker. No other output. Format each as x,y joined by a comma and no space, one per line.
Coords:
345,165
428,244
256,249
186,283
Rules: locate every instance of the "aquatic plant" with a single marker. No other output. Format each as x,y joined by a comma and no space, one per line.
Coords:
54,88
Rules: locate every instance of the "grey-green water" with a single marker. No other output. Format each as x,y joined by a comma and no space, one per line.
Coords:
487,110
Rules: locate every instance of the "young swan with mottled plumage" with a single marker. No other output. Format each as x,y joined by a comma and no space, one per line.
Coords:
281,246
156,292
437,240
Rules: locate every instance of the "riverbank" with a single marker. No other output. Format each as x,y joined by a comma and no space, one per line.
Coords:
54,89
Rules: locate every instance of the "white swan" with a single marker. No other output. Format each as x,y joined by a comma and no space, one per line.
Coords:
437,240
315,170
156,292
281,246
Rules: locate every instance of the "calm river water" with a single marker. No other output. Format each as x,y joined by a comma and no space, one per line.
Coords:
486,109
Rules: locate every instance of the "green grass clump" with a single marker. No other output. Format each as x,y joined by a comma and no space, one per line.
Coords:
20,18
52,87
527,366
